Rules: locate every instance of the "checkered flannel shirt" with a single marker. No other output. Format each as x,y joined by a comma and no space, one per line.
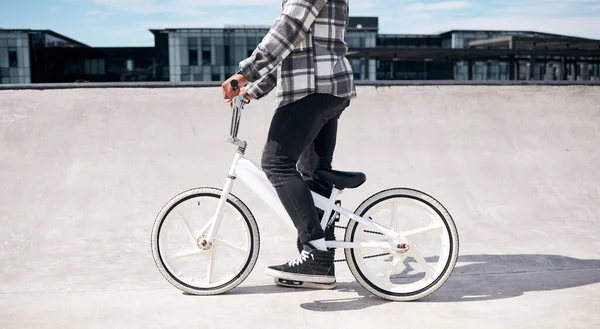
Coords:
303,53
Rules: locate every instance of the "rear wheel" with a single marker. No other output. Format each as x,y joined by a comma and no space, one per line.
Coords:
185,259
432,245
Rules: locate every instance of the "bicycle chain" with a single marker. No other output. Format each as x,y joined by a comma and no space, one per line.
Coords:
366,257
366,231
373,256
373,232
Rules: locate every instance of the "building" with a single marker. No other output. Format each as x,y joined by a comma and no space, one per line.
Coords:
210,54
44,56
484,55
204,54
14,57
213,54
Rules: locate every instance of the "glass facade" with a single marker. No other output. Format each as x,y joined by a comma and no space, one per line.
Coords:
14,57
361,39
213,55
408,41
479,70
363,69
461,39
209,54
43,56
519,68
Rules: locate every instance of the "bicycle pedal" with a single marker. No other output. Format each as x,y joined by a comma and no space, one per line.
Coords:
304,284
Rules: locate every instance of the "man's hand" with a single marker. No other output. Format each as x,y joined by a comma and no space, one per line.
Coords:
242,92
228,92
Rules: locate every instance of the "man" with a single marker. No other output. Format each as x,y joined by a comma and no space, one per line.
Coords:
304,55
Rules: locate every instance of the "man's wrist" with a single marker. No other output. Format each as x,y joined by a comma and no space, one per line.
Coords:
240,78
247,69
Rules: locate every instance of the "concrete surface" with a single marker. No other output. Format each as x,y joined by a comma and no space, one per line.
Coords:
83,173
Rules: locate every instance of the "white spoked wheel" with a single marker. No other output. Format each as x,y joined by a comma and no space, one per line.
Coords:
426,261
182,254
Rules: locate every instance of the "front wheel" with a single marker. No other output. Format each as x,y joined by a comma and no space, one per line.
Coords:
432,245
184,257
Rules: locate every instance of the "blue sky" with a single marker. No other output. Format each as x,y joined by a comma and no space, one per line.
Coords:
106,23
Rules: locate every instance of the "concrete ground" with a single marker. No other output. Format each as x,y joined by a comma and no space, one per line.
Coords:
83,173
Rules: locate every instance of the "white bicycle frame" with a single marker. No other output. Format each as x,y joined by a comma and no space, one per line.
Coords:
252,176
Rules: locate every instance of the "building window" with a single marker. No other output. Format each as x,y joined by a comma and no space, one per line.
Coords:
251,44
206,58
493,71
461,71
12,58
193,57
216,77
479,71
503,71
129,65
227,54
523,71
94,67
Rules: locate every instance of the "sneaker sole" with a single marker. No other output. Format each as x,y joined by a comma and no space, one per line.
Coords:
300,277
302,284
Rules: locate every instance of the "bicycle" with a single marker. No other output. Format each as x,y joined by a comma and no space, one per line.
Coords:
381,248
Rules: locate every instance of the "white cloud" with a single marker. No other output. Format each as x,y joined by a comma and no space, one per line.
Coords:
96,13
138,34
570,17
580,27
181,7
447,5
361,5
575,1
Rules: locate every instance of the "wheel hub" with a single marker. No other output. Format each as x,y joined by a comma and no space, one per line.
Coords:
402,248
202,243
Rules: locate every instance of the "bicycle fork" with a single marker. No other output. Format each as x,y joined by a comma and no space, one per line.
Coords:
216,220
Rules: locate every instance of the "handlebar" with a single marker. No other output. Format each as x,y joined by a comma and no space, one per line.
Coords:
238,103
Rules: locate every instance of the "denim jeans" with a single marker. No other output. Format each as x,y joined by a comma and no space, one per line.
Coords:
301,139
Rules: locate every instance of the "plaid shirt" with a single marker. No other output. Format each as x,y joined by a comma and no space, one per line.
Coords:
303,53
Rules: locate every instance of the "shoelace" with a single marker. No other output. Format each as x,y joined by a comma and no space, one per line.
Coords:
301,259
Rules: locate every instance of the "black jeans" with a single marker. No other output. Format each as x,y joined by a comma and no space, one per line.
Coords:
301,139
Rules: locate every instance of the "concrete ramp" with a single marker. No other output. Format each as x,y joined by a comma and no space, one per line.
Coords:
83,173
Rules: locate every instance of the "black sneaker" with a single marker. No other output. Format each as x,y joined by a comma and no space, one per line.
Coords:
312,265
304,284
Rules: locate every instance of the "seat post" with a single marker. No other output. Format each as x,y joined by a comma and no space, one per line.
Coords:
334,194
327,215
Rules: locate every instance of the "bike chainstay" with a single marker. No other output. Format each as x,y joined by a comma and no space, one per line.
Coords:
336,219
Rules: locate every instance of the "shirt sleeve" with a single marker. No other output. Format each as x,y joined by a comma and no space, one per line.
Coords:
287,33
261,87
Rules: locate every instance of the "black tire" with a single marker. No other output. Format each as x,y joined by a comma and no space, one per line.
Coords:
430,202
249,221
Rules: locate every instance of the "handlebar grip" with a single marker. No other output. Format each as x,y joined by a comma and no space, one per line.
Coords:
234,84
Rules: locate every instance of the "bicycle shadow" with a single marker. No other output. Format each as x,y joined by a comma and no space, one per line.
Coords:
484,278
